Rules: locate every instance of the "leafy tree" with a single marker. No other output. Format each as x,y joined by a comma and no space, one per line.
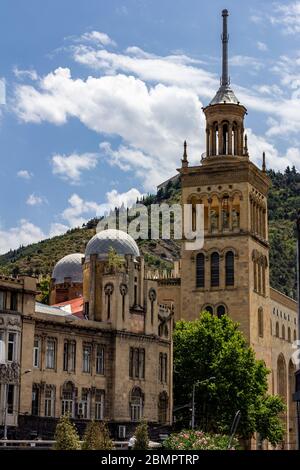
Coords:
44,287
213,355
96,437
66,436
115,261
141,436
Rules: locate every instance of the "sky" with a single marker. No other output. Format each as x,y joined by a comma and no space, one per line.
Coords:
97,97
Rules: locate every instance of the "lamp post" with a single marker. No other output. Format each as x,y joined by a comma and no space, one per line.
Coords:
196,384
27,371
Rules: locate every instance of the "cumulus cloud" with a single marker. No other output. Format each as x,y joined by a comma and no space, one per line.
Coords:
34,200
24,174
70,167
23,234
80,211
98,37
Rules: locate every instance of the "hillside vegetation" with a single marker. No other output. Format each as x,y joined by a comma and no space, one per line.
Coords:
284,202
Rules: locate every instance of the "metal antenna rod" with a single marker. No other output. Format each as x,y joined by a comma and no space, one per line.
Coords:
225,38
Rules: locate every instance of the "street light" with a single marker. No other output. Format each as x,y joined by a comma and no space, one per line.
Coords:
27,371
196,384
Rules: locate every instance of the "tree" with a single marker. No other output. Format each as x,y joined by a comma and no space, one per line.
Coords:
66,436
141,436
115,261
96,437
212,354
44,287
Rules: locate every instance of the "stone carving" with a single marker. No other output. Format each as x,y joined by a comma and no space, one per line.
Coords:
123,289
13,321
152,295
9,373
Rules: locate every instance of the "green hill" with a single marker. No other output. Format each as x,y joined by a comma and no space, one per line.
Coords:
284,202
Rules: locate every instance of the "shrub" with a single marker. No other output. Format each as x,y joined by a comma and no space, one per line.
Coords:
66,436
198,440
141,436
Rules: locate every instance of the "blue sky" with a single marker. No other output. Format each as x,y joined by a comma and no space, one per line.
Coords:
101,94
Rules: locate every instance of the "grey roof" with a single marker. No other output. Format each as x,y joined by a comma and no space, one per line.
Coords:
70,266
47,309
120,241
225,95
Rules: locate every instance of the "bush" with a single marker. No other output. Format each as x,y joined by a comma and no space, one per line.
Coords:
66,436
198,440
142,437
96,437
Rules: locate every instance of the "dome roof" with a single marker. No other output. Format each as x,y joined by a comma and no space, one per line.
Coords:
225,95
69,266
120,241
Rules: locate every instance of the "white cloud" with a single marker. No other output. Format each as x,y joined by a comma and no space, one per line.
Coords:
71,167
80,211
98,37
57,229
25,74
288,16
24,234
261,46
246,61
34,200
24,174
2,91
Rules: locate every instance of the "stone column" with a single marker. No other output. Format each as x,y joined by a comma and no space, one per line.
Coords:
220,136
220,215
207,142
230,139
230,200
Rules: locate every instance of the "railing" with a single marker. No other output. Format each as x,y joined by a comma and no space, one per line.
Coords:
40,444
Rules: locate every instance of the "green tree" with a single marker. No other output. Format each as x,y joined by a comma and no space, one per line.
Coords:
66,436
141,436
96,437
213,355
115,261
44,288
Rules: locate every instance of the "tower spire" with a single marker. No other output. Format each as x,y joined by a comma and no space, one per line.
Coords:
225,81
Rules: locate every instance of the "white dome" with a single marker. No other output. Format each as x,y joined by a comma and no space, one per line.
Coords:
70,266
120,241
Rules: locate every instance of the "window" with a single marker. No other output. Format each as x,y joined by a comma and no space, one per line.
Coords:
229,268
108,289
100,359
84,405
277,330
137,363
2,347
136,404
35,403
86,310
200,270
49,401
36,353
68,399
221,310
283,332
2,300
50,353
260,322
69,361
215,268
11,347
163,367
209,309
10,398
289,335
87,354
163,403
225,213
99,404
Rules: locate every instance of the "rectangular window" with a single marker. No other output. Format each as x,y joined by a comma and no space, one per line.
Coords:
36,353
2,348
72,356
14,301
10,398
50,354
163,367
84,404
66,355
67,408
50,402
2,300
137,363
100,359
35,401
11,347
87,354
99,405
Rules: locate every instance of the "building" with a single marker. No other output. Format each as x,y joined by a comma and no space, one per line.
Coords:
110,361
231,273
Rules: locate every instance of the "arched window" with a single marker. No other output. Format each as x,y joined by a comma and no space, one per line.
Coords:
283,332
295,335
109,288
260,322
277,330
209,309
163,403
229,268
136,404
289,335
221,310
225,212
68,399
225,139
215,270
200,270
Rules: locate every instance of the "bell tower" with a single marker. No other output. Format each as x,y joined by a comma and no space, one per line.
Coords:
230,274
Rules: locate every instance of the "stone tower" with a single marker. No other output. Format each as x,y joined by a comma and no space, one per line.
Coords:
230,274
